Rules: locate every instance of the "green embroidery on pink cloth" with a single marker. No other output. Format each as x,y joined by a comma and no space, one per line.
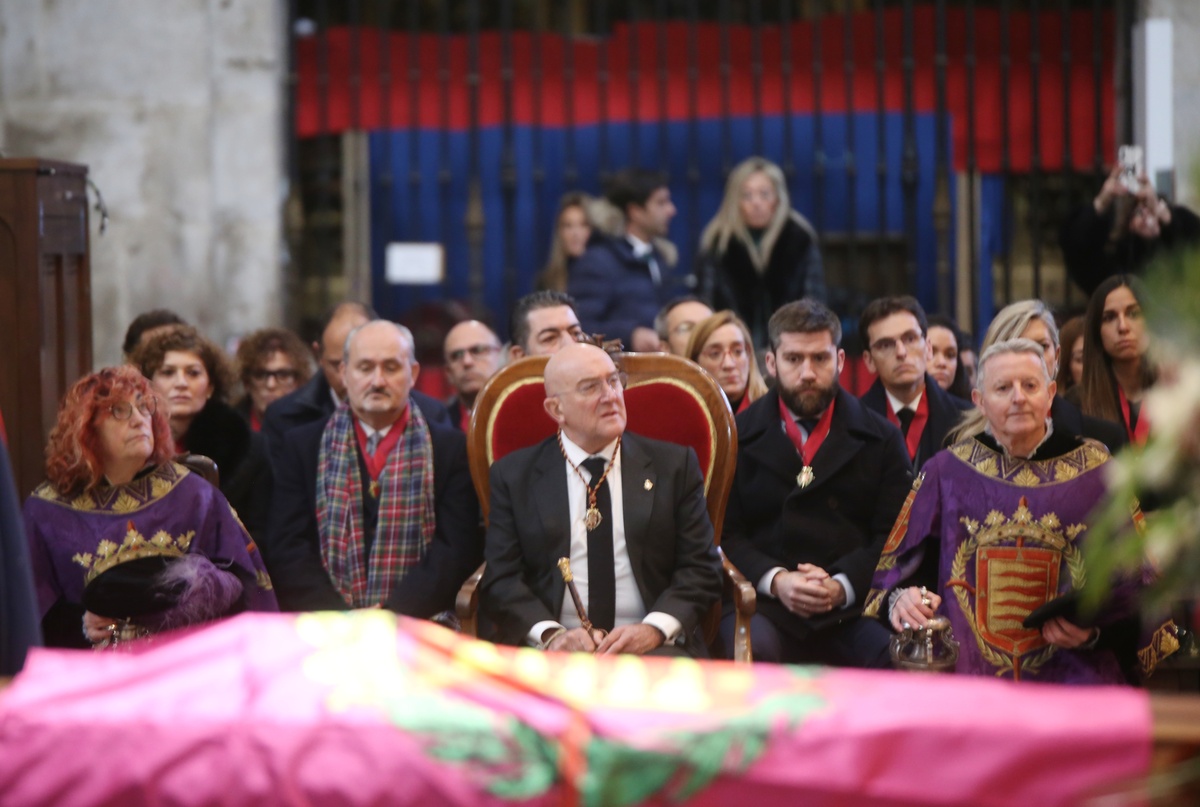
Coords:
693,721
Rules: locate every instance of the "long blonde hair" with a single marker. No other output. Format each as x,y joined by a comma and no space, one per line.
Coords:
728,221
1009,323
756,387
554,276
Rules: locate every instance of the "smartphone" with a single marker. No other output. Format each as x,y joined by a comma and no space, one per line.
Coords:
1132,167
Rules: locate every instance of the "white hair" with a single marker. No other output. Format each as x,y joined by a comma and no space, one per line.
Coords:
1009,347
406,337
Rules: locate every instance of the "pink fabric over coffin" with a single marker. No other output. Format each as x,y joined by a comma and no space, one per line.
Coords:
363,708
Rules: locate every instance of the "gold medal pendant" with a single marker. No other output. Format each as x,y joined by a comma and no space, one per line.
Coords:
591,519
805,477
374,489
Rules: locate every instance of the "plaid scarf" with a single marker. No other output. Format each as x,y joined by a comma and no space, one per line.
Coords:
406,516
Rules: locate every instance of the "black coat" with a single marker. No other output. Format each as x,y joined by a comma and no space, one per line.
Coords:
221,434
839,522
293,545
1091,255
314,402
945,411
1069,419
793,270
667,533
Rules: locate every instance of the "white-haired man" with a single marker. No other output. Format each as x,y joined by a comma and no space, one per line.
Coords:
375,506
992,537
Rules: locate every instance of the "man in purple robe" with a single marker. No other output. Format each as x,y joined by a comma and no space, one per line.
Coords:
994,528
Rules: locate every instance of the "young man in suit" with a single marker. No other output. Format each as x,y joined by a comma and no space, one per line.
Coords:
893,332
628,511
819,481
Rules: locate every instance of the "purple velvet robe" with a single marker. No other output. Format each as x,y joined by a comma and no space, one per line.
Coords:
1010,535
170,506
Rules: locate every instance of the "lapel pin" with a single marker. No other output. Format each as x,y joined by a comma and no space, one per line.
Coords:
648,485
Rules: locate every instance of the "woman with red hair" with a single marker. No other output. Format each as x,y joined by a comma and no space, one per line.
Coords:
112,496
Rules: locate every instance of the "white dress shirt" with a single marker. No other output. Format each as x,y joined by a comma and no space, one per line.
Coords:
898,404
629,606
643,250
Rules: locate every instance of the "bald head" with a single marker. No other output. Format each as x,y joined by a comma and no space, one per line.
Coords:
585,396
564,368
472,353
345,318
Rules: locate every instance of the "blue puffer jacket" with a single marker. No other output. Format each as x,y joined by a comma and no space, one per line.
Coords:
615,292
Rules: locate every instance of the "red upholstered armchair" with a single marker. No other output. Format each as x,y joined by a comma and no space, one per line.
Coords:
668,398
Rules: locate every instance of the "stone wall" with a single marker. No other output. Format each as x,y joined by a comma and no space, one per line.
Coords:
1185,21
176,108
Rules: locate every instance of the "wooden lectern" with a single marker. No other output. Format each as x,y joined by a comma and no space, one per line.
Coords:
45,302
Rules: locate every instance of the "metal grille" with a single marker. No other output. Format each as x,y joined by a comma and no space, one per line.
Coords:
934,145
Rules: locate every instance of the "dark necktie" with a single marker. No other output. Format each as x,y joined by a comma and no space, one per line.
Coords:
602,586
906,416
809,425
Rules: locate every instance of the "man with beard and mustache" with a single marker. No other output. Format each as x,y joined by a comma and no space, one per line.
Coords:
819,481
374,507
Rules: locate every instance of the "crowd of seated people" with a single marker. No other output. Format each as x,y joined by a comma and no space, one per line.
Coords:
348,488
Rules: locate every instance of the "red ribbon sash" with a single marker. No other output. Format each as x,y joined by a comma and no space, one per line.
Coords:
917,427
375,462
1136,436
807,449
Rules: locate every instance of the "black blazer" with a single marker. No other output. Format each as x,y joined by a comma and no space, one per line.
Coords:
221,434
839,522
793,270
667,533
945,410
1069,419
294,549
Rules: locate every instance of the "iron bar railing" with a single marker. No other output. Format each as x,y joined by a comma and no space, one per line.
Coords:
864,139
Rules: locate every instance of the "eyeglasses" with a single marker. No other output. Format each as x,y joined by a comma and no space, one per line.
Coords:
718,352
887,346
123,410
594,387
476,351
280,376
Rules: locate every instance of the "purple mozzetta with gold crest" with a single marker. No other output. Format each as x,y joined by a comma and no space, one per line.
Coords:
164,511
1009,533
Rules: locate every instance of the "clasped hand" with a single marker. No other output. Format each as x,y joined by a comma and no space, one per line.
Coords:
808,591
636,639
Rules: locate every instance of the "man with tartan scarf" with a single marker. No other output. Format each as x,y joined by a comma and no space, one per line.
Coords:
375,507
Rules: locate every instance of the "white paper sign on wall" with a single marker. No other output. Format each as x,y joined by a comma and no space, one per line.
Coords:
414,264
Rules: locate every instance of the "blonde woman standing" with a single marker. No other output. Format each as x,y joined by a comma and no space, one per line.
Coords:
757,253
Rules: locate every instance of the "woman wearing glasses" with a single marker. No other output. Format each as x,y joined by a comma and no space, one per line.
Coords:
192,378
271,362
113,495
721,345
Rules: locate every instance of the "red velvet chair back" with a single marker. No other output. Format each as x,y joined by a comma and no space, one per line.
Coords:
668,398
